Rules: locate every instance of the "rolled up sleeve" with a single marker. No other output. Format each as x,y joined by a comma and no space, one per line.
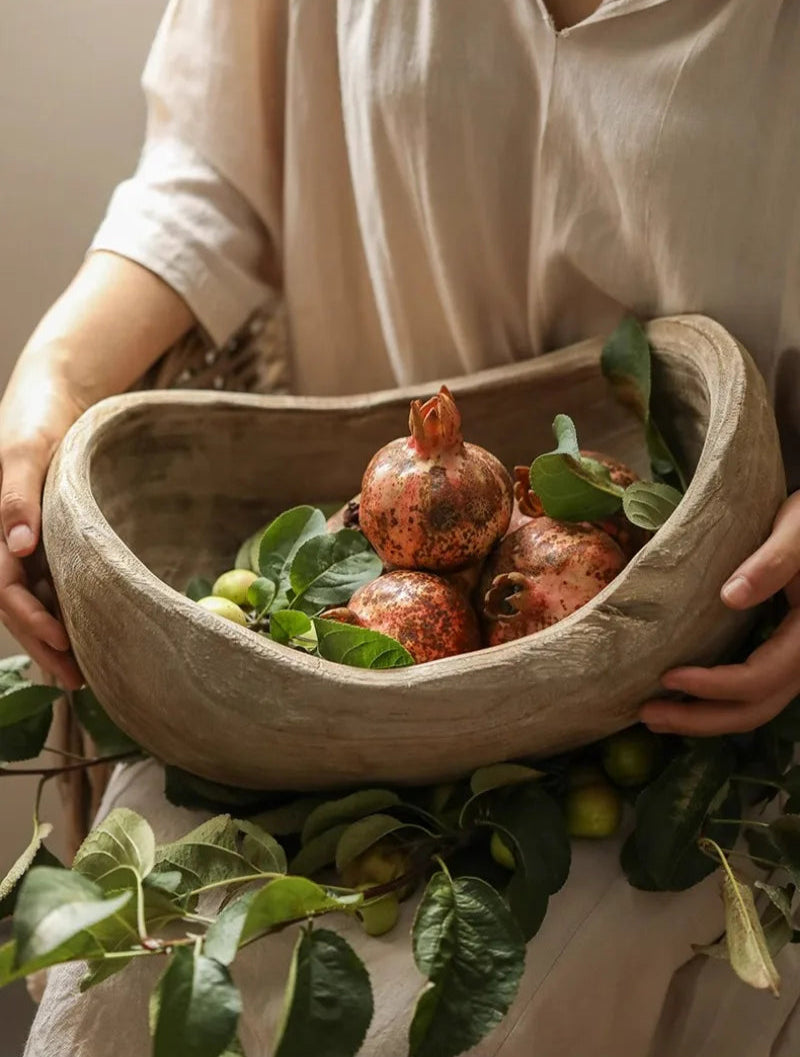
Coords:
203,209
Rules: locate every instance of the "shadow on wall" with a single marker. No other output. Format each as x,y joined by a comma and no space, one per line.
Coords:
71,128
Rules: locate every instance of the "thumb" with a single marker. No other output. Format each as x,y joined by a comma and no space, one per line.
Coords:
774,565
23,473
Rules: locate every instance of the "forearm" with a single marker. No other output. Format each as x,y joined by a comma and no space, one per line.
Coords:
113,322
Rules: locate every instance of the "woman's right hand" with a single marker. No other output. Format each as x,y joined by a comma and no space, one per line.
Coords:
109,326
32,424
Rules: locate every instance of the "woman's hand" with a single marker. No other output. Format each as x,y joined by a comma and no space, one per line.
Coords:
734,698
35,414
113,321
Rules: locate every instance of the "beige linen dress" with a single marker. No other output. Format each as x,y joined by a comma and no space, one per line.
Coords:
436,186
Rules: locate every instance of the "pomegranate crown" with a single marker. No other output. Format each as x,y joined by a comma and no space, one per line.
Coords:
436,424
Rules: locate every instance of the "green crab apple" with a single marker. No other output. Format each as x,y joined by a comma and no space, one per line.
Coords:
223,607
630,757
234,585
379,916
593,810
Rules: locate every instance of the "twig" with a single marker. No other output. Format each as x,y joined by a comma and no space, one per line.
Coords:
49,772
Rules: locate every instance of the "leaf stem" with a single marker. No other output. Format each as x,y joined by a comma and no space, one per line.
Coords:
140,920
736,822
733,854
225,882
749,780
49,772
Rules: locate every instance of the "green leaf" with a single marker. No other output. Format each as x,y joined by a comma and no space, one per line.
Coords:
208,853
534,827
318,853
328,1005
625,362
649,504
780,897
777,923
109,740
498,775
671,811
359,836
41,831
359,647
327,570
43,857
347,809
189,790
25,700
636,874
469,946
119,853
762,846
785,832
571,486
280,543
287,625
53,908
260,848
289,818
261,594
247,555
25,740
198,587
198,1009
222,938
288,899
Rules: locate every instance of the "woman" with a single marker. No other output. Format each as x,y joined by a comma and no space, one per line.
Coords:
437,186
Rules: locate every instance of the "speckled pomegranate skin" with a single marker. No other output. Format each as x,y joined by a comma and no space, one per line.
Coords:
426,614
541,573
436,514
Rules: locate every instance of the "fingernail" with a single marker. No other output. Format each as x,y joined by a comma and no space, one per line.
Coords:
20,538
736,592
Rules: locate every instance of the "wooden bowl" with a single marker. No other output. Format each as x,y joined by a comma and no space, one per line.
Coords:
150,489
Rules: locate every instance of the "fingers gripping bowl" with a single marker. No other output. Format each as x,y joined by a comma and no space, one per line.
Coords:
149,488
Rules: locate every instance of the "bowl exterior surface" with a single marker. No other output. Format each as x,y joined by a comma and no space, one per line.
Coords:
217,700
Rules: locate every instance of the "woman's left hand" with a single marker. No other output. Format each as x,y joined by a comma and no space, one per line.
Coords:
733,698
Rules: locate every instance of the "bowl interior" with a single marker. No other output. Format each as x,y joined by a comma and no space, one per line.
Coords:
183,486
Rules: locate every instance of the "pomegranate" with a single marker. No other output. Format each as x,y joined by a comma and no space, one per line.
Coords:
528,505
543,572
424,613
466,579
430,501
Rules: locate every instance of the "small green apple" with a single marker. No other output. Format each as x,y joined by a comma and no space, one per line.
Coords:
593,810
630,757
380,915
223,607
233,585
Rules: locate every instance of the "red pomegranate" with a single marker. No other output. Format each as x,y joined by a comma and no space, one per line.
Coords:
528,505
425,613
543,572
430,501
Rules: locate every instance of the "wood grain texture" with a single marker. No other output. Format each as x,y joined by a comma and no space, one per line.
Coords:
150,489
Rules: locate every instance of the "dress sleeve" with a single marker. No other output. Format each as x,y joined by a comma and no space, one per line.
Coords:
203,209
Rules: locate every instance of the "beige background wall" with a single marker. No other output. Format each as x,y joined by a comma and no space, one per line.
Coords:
71,118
